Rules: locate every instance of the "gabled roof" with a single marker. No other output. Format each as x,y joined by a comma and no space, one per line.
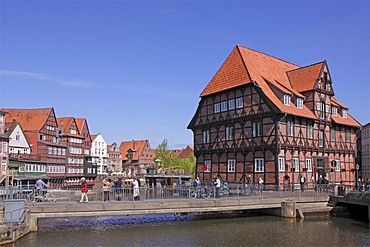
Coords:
93,137
66,121
29,119
9,127
304,78
186,152
345,121
135,145
245,66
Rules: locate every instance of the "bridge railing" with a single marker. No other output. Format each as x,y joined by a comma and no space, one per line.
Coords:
178,192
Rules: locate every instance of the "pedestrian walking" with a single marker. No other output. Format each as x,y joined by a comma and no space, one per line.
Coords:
302,181
107,185
217,184
136,187
260,184
84,190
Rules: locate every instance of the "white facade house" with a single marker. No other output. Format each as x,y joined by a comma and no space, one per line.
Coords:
18,143
365,152
99,153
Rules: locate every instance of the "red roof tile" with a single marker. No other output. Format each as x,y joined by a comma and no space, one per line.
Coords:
29,119
136,145
304,78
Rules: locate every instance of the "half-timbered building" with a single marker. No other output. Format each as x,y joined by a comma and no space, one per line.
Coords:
262,116
71,137
41,130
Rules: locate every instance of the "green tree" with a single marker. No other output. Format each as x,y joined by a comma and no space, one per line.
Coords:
163,155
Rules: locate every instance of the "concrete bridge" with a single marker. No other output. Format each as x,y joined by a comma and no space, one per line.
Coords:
282,206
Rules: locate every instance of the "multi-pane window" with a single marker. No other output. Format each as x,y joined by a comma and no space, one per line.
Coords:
257,128
322,110
290,128
309,165
207,163
348,135
239,102
50,150
216,108
287,99
231,104
321,138
334,111
205,136
281,164
229,133
259,165
231,165
300,103
224,106
344,113
337,166
295,164
309,131
332,134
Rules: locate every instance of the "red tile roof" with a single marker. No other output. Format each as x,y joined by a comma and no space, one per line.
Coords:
304,78
67,122
136,145
29,119
346,121
245,65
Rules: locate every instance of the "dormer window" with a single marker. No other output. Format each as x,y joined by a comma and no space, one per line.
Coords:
287,99
300,103
344,113
334,111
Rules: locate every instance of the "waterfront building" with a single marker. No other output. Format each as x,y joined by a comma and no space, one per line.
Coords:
18,144
71,138
90,167
99,153
4,147
365,151
137,157
262,116
41,130
114,158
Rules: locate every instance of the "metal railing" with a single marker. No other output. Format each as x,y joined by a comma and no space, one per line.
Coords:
178,192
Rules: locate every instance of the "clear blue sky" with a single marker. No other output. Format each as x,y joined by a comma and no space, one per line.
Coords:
135,69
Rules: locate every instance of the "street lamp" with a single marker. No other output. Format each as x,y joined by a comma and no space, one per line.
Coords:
356,182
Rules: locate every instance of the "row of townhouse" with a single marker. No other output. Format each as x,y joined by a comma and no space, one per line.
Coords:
35,143
263,116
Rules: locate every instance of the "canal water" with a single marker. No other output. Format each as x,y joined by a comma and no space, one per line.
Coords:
168,230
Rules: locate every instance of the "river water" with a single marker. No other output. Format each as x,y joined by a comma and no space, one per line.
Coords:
168,230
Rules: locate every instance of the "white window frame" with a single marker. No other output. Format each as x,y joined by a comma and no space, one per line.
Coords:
257,128
229,133
239,102
321,138
309,165
348,135
332,134
206,138
208,164
281,164
295,164
300,103
224,106
334,111
259,165
231,165
287,99
216,108
309,131
231,104
344,113
337,166
290,127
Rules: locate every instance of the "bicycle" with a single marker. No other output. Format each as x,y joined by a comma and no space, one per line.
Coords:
203,192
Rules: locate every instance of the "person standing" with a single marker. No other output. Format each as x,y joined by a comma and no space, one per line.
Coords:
118,188
217,185
260,184
106,188
84,190
136,188
198,187
302,181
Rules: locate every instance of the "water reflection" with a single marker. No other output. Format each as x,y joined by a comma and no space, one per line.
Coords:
167,230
